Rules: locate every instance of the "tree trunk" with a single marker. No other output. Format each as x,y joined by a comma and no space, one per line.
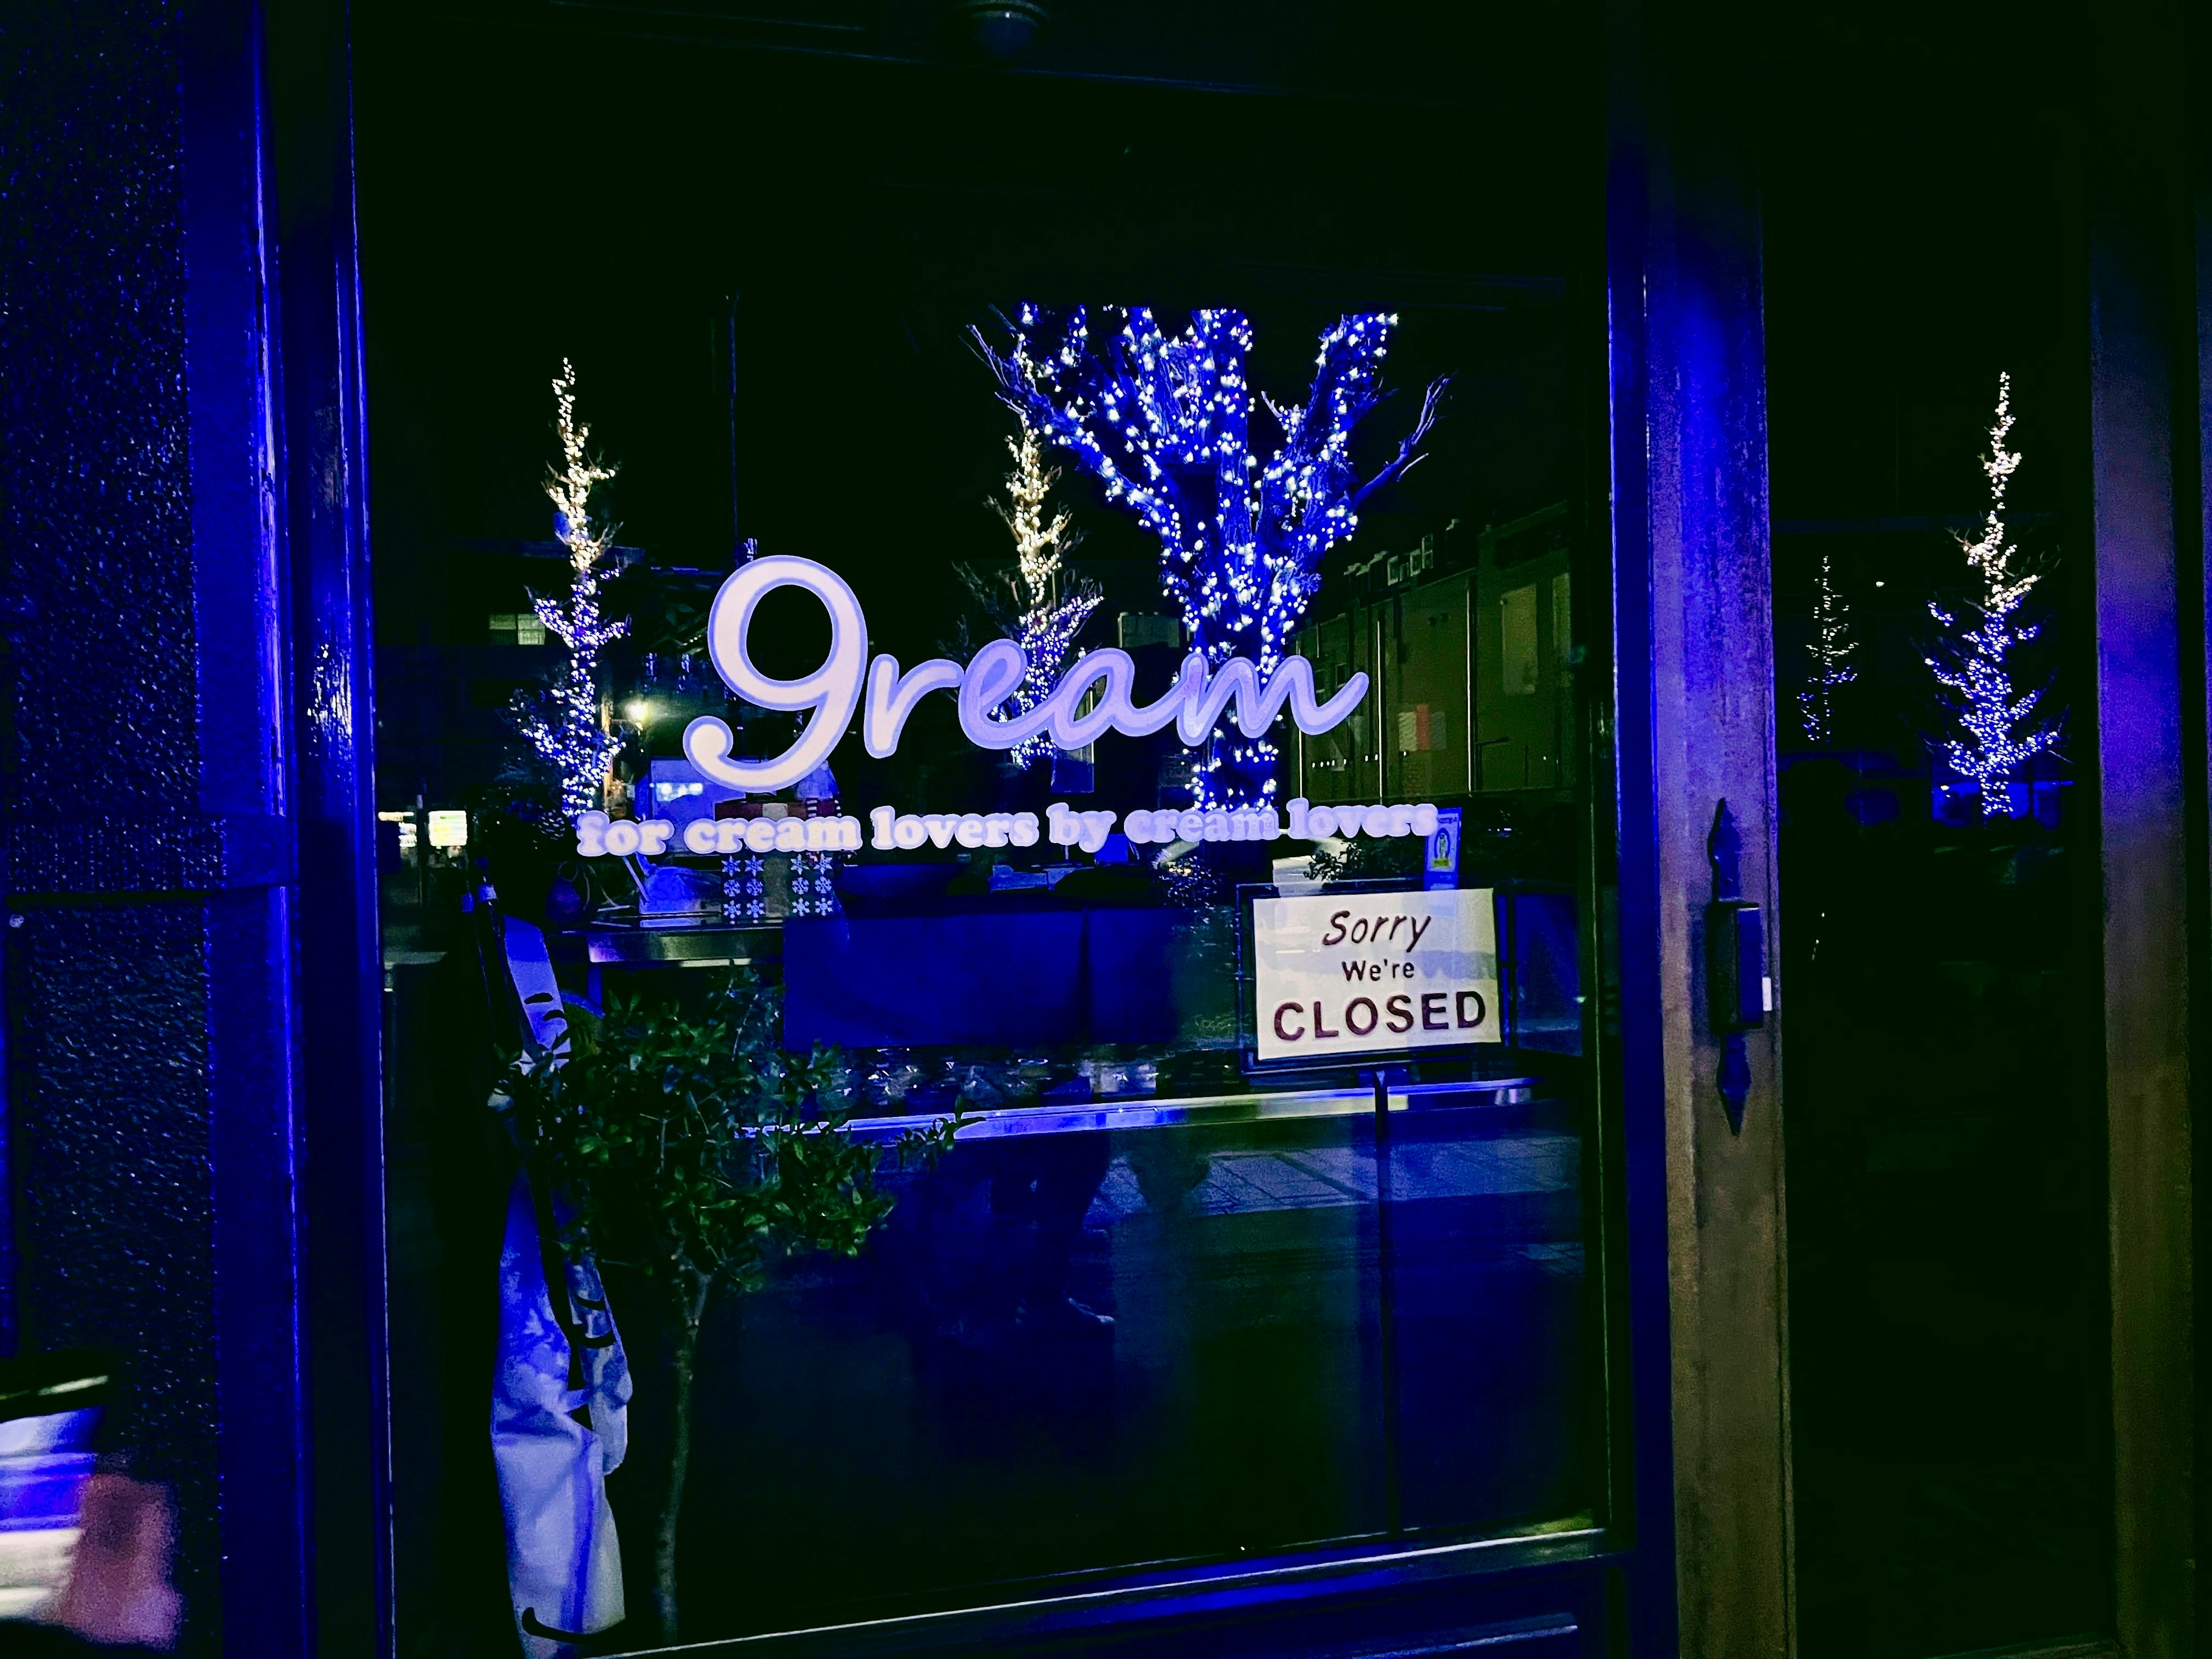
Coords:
686,1338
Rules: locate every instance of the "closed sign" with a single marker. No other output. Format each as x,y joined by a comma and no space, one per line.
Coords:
1375,973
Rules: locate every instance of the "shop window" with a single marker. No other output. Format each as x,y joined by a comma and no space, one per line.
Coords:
1153,1262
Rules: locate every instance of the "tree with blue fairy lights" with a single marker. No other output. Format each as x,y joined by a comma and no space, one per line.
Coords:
563,722
1165,426
1995,729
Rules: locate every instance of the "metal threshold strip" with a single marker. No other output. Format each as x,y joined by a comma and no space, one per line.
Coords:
1203,1110
1438,1559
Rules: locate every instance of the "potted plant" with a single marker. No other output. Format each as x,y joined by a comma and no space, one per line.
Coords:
689,1148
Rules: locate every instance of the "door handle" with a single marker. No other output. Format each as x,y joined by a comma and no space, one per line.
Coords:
1739,989
1736,982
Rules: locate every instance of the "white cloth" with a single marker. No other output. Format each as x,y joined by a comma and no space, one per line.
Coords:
563,1565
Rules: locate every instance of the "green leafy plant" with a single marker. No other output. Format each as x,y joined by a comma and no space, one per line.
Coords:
690,1149
1366,859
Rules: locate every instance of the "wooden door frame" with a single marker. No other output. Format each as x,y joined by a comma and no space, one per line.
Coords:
1696,714
2148,222
1695,700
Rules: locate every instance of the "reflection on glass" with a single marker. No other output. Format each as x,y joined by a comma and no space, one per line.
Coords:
1427,691
1082,1347
1159,1304
1950,1329
1342,764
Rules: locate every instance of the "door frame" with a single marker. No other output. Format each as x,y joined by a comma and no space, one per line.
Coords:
1695,701
1668,275
1696,706
2147,218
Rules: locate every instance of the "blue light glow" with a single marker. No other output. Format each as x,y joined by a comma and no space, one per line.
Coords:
1165,425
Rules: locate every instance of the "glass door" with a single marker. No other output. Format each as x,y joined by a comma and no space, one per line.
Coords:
1099,1298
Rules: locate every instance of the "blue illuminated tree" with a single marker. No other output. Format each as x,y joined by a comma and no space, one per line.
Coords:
1995,729
1165,426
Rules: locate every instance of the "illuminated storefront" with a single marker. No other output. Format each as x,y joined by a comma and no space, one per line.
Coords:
990,825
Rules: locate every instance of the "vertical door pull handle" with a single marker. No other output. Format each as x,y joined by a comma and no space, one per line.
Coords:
1735,965
1738,988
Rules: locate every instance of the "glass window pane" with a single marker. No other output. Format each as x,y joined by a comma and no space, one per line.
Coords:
1337,764
1162,1301
1948,1324
1428,692
1081,1346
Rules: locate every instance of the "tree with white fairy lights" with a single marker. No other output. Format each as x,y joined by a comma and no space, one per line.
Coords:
1040,608
563,722
1166,425
1995,728
1831,648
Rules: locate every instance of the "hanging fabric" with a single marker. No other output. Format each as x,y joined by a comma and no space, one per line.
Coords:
559,1427
559,1420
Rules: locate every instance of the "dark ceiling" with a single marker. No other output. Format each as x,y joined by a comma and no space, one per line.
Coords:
598,178
598,181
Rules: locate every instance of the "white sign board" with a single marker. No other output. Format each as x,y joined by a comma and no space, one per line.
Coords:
1342,975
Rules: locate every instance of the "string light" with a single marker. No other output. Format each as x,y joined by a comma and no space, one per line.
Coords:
1997,730
1045,624
1831,648
562,723
1165,425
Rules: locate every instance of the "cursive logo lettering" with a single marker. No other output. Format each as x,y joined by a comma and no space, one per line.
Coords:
833,692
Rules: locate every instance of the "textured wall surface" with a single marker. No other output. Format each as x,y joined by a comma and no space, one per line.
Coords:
112,1155
97,509
108,1091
